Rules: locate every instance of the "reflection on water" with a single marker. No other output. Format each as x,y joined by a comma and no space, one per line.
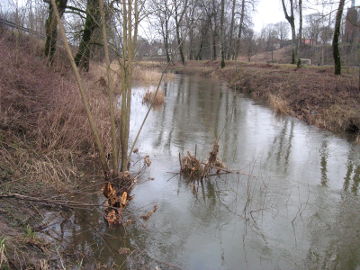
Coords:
323,163
294,207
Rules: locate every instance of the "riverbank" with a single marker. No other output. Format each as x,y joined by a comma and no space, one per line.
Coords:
46,150
313,94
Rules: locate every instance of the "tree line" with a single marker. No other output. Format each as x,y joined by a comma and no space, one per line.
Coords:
186,30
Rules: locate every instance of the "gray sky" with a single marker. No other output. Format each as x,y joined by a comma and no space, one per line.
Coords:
267,11
270,11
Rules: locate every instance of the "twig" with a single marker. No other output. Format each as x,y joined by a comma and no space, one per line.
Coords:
61,261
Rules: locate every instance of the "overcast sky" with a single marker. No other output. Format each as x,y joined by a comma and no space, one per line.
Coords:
270,11
267,11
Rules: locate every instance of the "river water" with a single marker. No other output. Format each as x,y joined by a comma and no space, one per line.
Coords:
295,204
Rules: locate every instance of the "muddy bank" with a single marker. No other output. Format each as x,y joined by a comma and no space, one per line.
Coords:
312,94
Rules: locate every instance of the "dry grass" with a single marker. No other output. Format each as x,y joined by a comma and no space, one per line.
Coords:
44,133
278,104
156,100
146,73
150,76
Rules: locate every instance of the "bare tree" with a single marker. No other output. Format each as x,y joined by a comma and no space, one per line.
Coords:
335,43
300,8
290,17
282,29
241,27
222,33
82,58
214,29
51,28
231,31
179,12
162,13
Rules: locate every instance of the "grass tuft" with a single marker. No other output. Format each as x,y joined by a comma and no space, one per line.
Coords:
278,104
156,100
3,259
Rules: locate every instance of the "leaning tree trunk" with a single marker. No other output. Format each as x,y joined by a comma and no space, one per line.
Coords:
51,29
82,57
335,43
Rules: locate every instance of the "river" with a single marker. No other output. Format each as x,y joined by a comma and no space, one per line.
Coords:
295,204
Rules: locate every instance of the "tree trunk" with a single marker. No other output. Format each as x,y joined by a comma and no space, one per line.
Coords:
222,33
291,19
300,24
199,54
294,55
51,29
214,31
242,17
180,45
165,35
191,41
178,21
230,51
166,45
214,35
204,31
335,43
191,32
82,57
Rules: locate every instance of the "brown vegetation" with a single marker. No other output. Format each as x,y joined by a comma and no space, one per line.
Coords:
151,98
193,169
147,76
45,141
41,109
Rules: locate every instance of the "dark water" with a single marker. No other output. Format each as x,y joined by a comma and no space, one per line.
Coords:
295,206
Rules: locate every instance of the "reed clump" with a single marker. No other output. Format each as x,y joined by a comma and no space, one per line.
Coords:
194,169
156,99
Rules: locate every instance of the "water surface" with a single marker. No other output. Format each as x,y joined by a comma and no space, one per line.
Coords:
295,205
